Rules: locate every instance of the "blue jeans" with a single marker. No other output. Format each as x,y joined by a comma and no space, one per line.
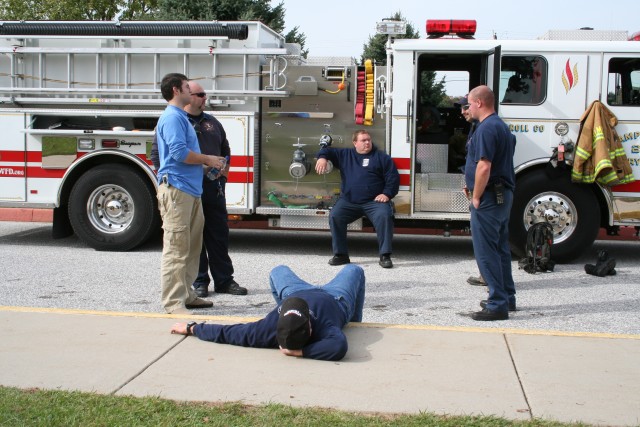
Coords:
347,288
344,213
490,236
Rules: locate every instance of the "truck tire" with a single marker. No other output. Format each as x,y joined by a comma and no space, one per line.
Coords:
112,208
572,210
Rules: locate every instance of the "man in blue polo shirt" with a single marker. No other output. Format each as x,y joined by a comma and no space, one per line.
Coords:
490,182
179,190
370,180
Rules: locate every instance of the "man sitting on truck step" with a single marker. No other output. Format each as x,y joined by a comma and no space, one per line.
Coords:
370,180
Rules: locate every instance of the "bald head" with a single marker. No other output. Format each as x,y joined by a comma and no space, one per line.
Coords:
197,104
481,102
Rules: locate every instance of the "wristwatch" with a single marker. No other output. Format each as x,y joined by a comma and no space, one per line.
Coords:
189,326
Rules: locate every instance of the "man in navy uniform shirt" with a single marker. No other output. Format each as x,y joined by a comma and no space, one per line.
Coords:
370,180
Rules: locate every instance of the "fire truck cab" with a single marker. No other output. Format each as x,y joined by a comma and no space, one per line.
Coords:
79,102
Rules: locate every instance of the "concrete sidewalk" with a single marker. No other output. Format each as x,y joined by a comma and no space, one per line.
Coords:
593,378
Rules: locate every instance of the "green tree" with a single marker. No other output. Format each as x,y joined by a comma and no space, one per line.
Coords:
74,10
294,36
222,10
230,10
433,92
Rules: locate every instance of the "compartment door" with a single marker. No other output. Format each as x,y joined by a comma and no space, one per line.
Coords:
241,135
491,71
13,159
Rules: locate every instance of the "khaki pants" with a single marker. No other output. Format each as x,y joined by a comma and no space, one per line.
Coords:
182,221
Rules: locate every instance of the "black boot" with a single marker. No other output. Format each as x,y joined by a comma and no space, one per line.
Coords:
604,268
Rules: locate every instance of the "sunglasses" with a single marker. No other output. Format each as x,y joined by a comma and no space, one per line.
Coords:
465,107
199,94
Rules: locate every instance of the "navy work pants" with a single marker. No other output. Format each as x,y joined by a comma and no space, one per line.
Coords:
215,248
344,213
490,236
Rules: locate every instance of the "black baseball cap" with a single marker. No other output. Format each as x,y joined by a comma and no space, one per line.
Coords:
462,102
294,329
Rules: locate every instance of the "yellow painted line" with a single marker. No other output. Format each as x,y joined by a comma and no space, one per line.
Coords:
234,319
126,314
514,331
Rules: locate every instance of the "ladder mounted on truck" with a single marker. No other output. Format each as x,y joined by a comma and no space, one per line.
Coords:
123,62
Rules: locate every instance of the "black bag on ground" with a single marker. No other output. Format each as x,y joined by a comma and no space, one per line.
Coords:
538,249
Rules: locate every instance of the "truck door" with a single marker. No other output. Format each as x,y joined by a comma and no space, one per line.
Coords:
13,159
621,79
441,130
240,130
491,71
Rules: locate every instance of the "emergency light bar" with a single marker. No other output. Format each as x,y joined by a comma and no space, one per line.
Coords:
392,28
464,28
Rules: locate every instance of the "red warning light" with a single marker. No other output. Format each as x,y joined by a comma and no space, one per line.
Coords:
464,28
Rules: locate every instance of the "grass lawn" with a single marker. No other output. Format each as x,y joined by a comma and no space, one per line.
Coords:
34,407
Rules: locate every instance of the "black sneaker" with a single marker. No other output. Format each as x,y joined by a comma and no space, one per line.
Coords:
339,259
231,288
202,291
602,268
488,315
199,303
385,261
512,305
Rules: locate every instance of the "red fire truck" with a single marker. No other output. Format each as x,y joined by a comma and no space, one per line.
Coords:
79,102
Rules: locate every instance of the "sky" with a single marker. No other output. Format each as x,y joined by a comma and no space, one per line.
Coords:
341,27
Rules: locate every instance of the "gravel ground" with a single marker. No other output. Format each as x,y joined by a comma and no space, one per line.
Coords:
427,285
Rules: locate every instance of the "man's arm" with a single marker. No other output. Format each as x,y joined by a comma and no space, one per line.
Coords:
324,155
155,154
174,134
483,170
226,152
331,346
194,158
260,334
391,180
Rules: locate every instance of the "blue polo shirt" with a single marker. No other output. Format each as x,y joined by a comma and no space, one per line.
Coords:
176,138
492,141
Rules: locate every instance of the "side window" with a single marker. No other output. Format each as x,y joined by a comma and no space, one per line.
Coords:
523,80
623,86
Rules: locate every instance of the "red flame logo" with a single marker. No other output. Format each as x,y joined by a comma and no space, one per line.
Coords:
569,76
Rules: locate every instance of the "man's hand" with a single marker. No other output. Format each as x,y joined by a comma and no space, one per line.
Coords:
287,352
467,194
475,202
179,328
381,198
215,162
321,166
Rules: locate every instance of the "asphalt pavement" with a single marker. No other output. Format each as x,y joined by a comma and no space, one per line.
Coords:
427,286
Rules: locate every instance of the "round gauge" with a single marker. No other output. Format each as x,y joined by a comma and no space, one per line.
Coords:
297,170
562,128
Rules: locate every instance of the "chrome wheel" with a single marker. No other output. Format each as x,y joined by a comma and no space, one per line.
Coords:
110,208
555,209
